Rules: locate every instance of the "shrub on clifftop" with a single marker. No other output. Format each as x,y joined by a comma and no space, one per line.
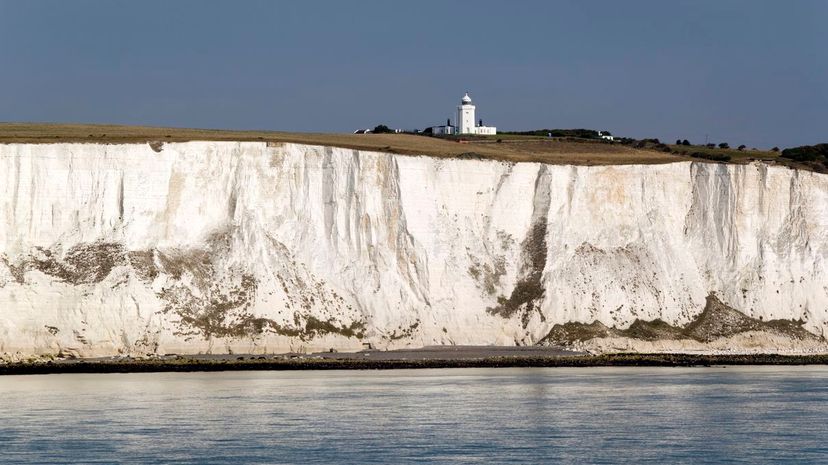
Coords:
807,152
813,155
382,129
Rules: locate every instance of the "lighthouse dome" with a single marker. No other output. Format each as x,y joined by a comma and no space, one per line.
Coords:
466,99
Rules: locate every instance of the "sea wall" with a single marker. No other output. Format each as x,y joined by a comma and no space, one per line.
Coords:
249,247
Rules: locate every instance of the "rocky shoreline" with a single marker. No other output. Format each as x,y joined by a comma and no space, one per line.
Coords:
321,362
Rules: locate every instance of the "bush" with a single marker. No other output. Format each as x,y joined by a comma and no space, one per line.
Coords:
742,147
724,145
807,153
710,156
814,156
382,129
653,144
775,149
685,142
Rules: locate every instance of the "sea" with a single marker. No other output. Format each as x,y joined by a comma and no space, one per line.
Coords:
756,414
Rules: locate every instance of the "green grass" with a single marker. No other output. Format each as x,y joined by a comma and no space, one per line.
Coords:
734,154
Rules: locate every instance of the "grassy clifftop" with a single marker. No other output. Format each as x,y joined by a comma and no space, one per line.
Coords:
502,147
509,148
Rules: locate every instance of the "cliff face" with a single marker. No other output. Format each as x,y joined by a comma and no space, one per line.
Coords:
245,247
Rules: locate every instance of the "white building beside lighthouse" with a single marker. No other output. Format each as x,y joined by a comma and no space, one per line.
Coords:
465,123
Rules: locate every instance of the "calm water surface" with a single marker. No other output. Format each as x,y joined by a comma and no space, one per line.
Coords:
538,415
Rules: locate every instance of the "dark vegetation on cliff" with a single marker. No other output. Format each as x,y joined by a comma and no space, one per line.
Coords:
814,156
716,321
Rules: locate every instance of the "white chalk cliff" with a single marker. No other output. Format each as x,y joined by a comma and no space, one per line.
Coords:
249,247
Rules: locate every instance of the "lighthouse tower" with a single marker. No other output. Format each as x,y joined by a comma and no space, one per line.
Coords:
465,122
465,116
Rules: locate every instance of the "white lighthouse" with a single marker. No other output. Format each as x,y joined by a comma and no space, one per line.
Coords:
465,121
465,116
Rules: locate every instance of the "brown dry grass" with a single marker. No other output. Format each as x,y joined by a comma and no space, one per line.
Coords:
510,149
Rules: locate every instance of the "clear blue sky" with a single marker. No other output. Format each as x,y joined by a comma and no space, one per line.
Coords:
752,72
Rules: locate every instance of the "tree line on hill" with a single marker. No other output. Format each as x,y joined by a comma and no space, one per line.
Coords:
721,145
